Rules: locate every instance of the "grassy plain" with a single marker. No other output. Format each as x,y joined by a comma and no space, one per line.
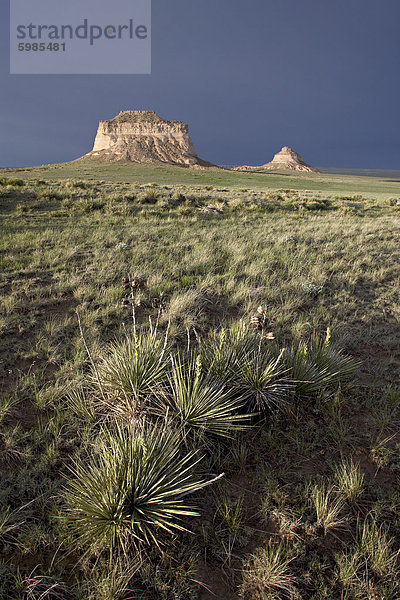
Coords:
370,187
308,506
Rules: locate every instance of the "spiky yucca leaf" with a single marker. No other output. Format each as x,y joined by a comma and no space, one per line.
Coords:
202,403
306,376
330,360
131,370
132,490
315,364
225,348
261,380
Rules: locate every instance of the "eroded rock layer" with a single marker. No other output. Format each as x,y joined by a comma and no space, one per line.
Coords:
285,160
142,136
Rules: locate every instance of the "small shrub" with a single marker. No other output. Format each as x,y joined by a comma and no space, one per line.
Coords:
14,182
149,197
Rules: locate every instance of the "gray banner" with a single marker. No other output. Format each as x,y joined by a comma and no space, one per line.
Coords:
80,37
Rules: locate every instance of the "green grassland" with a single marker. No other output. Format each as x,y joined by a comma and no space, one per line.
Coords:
272,180
131,334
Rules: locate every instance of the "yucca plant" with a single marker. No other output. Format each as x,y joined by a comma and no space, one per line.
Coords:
221,350
306,376
315,364
261,380
79,401
133,490
131,370
199,402
330,360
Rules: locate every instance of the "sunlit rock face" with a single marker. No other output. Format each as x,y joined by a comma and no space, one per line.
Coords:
285,160
141,136
289,160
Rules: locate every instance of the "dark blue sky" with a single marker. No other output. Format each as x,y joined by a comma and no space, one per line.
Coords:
249,77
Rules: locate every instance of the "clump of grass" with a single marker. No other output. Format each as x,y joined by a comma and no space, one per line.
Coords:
150,196
312,289
328,507
286,522
132,492
349,480
267,575
82,185
190,307
115,582
88,205
231,514
229,529
178,198
9,525
200,402
8,403
14,182
349,565
43,587
376,545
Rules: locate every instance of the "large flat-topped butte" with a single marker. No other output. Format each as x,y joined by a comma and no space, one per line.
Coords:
141,136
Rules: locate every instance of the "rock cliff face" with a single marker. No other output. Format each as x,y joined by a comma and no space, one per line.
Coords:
142,136
286,160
